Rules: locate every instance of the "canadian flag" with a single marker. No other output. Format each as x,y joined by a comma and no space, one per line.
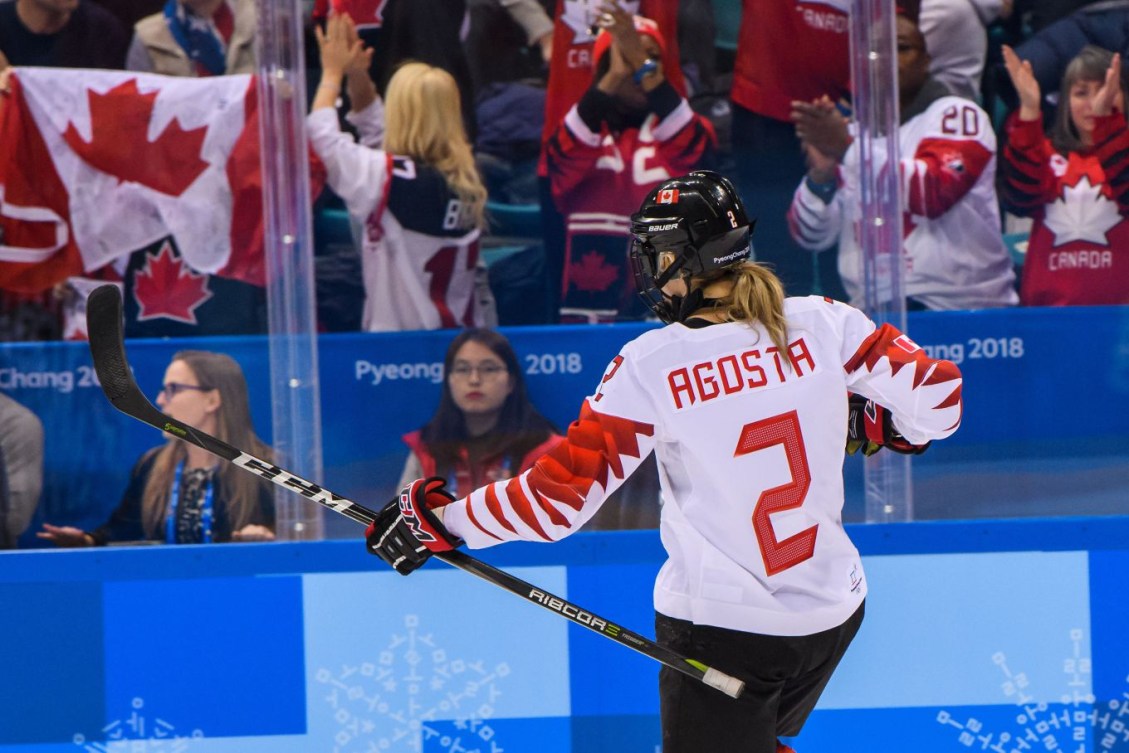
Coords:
668,196
97,164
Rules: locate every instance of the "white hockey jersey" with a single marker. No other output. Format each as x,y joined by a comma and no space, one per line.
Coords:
419,249
750,447
955,254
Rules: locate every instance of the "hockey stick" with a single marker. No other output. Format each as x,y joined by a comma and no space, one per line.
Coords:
107,347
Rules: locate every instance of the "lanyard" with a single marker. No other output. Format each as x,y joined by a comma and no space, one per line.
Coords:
174,502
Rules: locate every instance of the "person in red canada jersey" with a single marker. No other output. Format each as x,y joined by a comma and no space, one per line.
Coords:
1074,184
743,399
630,131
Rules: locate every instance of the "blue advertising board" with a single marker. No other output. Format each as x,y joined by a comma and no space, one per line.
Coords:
1045,431
1005,636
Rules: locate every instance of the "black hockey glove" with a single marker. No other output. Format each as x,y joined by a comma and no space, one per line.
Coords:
870,428
406,532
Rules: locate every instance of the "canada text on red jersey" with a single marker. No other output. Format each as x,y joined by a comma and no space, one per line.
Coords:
750,445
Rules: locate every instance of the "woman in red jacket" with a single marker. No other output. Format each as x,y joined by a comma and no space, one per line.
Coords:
485,429
1075,184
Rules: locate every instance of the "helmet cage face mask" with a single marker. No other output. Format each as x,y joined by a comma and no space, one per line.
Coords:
652,238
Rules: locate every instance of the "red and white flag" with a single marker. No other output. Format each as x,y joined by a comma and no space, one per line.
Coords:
668,196
97,164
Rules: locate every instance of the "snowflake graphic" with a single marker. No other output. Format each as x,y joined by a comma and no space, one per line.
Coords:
1082,214
412,693
1065,729
137,734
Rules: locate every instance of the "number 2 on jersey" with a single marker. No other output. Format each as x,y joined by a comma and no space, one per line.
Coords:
780,430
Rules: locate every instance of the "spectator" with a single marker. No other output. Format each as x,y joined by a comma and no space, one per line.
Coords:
61,34
1075,184
785,52
485,429
180,493
508,47
956,32
21,469
955,255
630,131
196,38
1050,50
508,40
570,74
420,199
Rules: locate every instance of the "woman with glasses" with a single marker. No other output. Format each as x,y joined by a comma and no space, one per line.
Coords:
179,493
485,428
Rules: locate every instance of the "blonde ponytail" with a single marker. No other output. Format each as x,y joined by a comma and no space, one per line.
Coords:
757,296
424,121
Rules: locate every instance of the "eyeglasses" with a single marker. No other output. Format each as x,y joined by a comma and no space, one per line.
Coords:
486,371
172,389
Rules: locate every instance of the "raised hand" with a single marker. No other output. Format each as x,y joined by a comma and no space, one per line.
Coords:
1109,96
1026,86
621,25
820,125
821,168
338,45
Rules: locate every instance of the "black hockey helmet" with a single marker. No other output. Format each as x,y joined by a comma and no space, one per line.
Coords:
700,218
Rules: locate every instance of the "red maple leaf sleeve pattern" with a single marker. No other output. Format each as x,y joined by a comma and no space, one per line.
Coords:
566,487
1111,145
941,172
1029,183
923,393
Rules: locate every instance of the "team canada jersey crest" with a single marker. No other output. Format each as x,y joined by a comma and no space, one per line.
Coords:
1082,213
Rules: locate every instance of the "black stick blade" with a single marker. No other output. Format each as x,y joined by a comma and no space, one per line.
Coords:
107,342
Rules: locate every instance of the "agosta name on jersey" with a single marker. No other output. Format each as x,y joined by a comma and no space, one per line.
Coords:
732,374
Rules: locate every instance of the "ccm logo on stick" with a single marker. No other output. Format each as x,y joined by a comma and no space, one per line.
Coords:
290,481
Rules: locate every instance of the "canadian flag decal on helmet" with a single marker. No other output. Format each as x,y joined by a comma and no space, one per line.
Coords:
668,196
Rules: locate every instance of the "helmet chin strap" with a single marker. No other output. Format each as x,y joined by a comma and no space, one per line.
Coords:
684,307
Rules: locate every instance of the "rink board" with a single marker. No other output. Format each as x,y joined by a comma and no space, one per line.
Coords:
1045,428
1002,636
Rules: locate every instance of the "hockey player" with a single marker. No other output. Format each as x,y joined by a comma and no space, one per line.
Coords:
743,398
955,255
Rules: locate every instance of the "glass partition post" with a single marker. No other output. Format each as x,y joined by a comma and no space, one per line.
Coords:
889,492
288,240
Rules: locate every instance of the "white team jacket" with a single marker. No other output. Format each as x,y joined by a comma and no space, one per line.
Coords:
749,443
955,254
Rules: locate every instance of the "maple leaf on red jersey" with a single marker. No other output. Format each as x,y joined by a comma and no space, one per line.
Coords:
592,274
167,287
120,144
